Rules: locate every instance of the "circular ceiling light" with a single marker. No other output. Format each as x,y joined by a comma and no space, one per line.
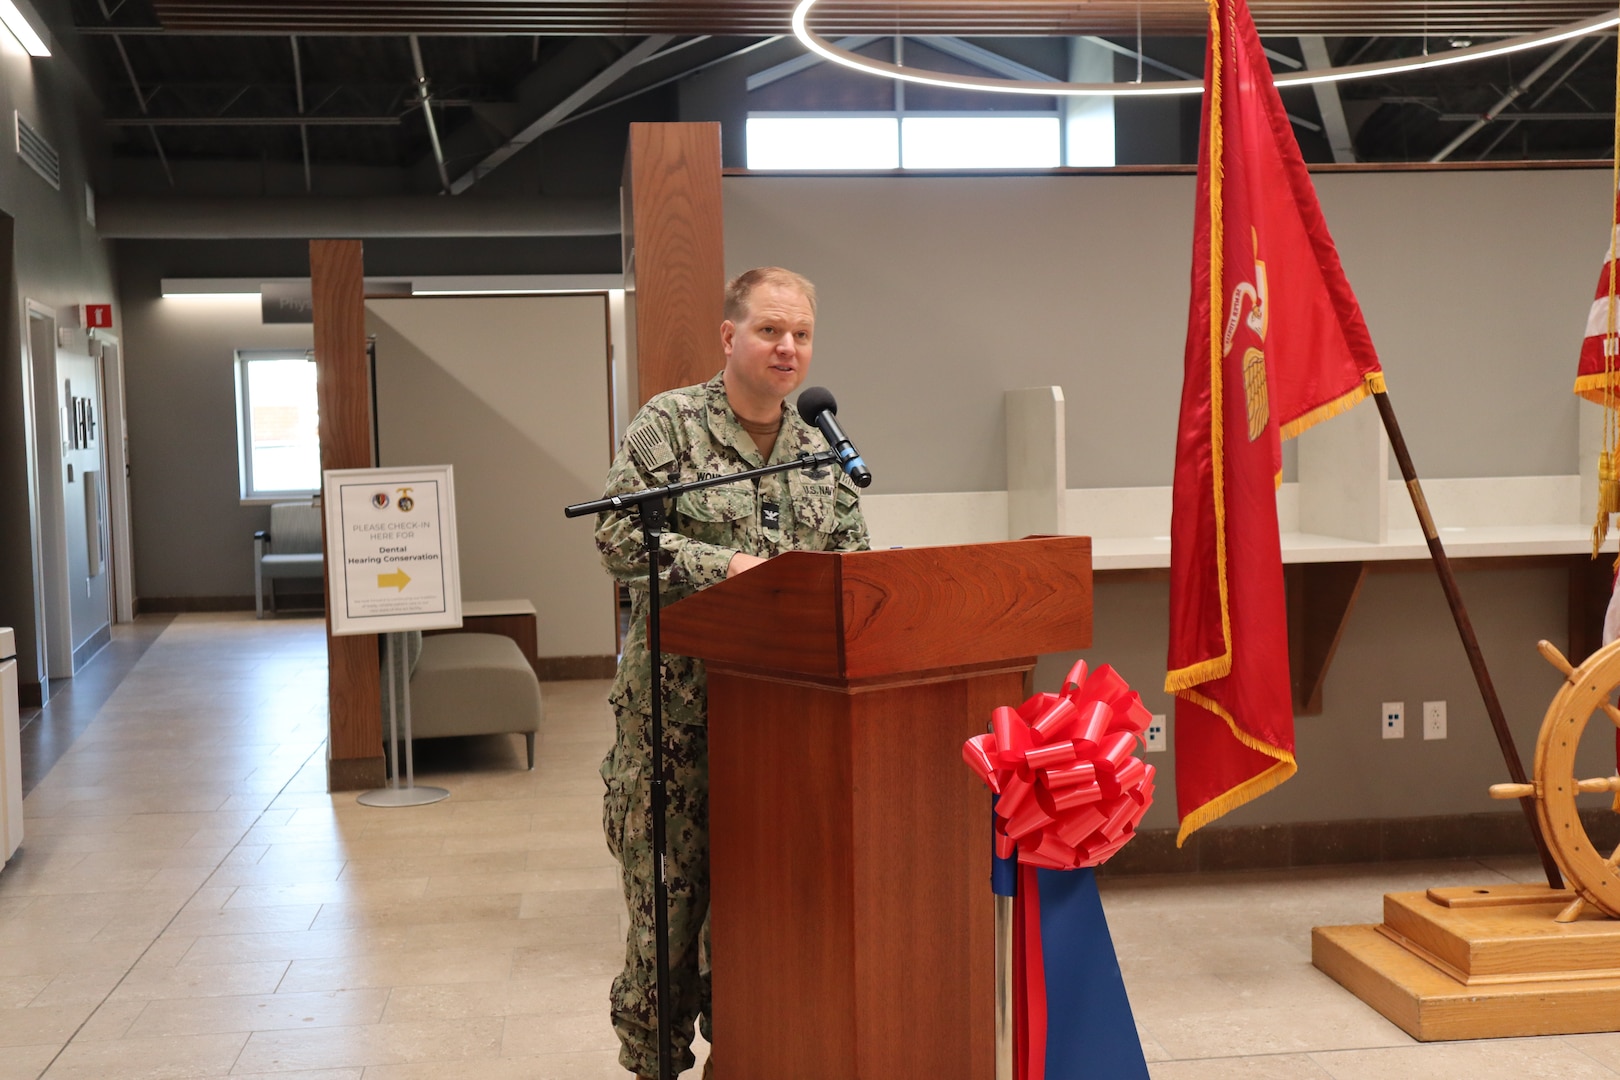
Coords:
828,51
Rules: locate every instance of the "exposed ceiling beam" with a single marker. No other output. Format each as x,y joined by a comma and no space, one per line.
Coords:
980,56
426,98
1507,99
302,217
560,112
1547,92
1328,102
805,61
252,121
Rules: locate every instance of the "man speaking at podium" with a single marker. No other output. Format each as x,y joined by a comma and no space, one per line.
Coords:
738,420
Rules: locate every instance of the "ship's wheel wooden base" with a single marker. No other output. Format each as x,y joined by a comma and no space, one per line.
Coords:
1480,963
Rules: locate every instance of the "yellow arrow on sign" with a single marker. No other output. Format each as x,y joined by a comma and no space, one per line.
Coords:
398,577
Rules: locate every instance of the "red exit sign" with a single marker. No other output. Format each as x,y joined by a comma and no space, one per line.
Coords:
97,315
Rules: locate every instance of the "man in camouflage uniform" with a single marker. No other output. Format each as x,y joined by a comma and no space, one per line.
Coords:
736,421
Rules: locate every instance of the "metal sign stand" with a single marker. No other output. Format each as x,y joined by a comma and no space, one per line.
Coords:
399,701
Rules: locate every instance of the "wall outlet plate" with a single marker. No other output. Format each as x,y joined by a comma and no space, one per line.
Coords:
1434,719
1155,733
1392,720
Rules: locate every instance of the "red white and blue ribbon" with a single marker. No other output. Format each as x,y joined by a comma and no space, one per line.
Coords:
1069,793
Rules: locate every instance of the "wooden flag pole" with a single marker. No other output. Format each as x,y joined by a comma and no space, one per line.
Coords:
1465,628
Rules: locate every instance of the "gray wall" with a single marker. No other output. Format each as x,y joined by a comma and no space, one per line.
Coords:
1400,645
192,535
938,293
513,392
59,262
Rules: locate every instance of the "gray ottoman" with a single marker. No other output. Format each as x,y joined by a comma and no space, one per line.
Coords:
474,684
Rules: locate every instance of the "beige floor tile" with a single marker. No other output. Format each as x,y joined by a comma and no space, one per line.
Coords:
55,958
179,1058
1278,1030
41,1024
482,908
328,892
79,988
550,1033
434,865
287,945
26,1062
17,991
109,1022
421,967
377,1044
561,994
203,922
591,1065
1488,1059
1279,1067
277,873
148,983
577,957
555,903
263,1012
524,881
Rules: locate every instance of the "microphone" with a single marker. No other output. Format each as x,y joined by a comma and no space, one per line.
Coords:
816,406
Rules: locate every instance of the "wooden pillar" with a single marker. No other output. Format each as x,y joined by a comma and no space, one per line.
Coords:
674,255
343,387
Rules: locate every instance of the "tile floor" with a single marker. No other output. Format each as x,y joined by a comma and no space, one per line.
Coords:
191,904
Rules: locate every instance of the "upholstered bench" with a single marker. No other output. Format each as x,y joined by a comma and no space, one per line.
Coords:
473,684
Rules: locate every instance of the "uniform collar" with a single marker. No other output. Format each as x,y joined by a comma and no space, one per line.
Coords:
723,424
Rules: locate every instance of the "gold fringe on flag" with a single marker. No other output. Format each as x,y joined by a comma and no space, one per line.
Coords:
1608,475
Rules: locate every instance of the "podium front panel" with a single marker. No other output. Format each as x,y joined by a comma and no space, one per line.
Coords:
851,915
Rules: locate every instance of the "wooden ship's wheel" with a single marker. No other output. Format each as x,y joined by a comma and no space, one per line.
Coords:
1587,689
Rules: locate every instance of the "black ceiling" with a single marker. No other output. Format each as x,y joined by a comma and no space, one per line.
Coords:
219,98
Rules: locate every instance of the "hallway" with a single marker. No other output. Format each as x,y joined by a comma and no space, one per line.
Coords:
190,903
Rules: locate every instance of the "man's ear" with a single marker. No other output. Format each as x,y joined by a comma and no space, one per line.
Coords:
728,336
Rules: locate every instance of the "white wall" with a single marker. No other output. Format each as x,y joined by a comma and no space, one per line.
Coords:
512,391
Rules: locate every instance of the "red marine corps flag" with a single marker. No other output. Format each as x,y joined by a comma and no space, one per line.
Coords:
1275,343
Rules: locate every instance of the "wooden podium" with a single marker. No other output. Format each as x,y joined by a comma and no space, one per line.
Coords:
851,918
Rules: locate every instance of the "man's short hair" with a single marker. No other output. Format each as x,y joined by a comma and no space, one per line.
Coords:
741,288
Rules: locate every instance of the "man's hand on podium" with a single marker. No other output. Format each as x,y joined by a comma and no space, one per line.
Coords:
740,562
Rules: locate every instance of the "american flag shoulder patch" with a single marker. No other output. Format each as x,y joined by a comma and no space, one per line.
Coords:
649,447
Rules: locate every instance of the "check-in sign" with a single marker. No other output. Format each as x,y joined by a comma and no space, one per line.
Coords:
391,549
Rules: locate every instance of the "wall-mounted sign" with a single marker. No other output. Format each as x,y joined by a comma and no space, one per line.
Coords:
286,302
391,550
97,316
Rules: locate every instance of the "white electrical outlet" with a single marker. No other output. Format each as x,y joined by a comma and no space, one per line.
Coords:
1392,721
1154,735
1434,719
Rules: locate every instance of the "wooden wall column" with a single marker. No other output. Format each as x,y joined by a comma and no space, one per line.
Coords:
674,255
343,387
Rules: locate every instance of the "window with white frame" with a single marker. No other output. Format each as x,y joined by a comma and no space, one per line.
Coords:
277,422
805,115
909,141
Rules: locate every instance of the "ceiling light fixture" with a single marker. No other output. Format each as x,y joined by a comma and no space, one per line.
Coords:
22,30
828,51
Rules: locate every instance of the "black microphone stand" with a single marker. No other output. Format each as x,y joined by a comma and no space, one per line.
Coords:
649,505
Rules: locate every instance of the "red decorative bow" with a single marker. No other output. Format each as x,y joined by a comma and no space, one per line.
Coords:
1071,793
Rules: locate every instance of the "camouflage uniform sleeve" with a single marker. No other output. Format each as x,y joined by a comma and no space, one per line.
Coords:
641,463
849,531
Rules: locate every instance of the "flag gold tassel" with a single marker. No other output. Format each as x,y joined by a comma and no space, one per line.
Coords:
1608,499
